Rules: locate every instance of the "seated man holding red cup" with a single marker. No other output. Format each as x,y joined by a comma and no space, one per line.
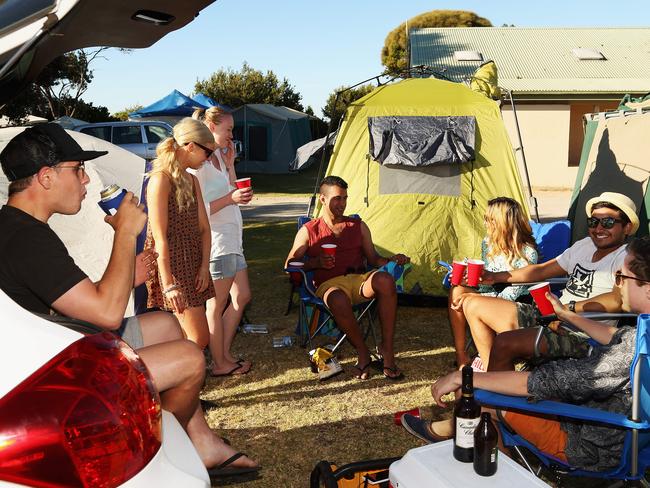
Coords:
591,264
340,273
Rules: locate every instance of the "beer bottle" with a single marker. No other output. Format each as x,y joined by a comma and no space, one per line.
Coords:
485,446
466,417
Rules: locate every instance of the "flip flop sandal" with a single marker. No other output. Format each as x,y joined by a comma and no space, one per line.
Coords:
223,471
231,372
362,371
396,373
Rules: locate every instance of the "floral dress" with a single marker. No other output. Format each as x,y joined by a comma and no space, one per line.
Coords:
500,263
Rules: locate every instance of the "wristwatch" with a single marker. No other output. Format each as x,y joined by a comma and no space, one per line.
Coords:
572,306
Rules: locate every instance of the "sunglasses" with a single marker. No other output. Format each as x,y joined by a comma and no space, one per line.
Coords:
605,222
619,277
80,168
207,150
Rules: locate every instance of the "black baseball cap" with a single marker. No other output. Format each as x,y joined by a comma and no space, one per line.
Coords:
42,145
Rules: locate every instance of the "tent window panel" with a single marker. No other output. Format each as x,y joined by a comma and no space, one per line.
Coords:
431,180
257,143
576,126
422,140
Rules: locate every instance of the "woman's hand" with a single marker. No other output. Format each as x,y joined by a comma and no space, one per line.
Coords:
177,300
203,279
229,156
457,304
242,195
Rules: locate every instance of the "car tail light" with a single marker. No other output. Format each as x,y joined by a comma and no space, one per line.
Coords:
90,417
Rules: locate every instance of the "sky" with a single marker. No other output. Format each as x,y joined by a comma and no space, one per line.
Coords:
317,46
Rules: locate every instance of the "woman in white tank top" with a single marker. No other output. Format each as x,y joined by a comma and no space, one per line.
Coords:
227,264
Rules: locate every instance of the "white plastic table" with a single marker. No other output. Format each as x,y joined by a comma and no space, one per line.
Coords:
434,465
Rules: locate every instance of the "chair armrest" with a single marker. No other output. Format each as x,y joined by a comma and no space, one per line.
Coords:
561,280
558,408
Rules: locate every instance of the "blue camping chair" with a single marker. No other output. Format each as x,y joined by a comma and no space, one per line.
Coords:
310,304
635,457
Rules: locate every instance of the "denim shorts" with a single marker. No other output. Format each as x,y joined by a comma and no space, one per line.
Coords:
131,332
227,266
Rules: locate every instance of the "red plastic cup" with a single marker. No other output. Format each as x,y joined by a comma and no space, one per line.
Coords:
295,276
243,183
474,270
397,417
329,249
538,293
457,272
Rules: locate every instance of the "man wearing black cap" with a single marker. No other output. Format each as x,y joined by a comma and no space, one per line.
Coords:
45,167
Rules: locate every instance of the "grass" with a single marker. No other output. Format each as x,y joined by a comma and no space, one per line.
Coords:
280,413
283,416
298,184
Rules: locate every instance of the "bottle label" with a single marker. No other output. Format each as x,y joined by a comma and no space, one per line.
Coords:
493,455
465,432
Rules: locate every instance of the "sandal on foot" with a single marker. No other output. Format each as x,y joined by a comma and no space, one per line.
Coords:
421,429
225,469
362,371
394,373
232,372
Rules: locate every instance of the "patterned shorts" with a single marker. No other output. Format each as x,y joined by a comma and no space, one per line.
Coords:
567,344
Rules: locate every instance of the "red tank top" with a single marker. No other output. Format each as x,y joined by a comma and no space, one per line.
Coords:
349,252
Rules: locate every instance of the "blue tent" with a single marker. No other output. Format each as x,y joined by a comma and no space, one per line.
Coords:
175,104
210,102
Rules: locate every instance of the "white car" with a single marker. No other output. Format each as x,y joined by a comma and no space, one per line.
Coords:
80,409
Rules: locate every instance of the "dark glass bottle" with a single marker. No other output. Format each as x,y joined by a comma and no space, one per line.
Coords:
486,438
466,417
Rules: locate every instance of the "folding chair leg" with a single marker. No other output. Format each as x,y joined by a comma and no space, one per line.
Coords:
290,304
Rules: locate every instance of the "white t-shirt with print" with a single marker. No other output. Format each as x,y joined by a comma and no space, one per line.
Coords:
586,278
226,224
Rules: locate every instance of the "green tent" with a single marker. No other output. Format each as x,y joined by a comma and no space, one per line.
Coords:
422,157
614,158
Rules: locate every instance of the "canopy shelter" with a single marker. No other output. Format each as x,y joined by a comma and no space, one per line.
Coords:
170,109
209,102
422,157
614,158
271,135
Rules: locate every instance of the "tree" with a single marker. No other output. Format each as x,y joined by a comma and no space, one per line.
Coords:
124,114
334,109
58,89
394,54
236,88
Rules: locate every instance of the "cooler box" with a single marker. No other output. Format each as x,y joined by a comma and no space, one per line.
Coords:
434,465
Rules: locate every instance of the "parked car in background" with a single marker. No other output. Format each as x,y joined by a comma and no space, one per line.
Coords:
79,408
139,137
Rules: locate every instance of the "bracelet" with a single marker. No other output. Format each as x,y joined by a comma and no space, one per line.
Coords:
170,289
572,306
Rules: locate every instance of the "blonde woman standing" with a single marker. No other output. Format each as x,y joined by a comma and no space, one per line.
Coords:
228,268
178,229
509,244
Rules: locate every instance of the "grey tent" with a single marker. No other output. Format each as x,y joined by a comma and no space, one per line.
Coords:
306,154
271,136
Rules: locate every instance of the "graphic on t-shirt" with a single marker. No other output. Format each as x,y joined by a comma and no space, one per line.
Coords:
581,282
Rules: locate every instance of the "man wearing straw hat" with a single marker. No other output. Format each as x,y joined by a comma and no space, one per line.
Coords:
590,264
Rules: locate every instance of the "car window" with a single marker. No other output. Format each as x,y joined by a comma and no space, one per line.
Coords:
127,134
102,132
19,11
156,133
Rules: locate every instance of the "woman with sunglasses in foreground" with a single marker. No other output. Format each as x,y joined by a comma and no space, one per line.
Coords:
178,229
228,268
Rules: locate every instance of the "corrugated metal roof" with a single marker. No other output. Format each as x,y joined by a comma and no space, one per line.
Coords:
540,60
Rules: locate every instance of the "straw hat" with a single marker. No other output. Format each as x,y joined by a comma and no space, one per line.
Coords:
622,202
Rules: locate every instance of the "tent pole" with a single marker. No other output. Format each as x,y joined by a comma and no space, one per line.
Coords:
532,199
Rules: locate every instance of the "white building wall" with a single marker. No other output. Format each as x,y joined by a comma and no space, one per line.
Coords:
545,137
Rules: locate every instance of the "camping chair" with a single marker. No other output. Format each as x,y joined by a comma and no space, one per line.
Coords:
314,315
635,457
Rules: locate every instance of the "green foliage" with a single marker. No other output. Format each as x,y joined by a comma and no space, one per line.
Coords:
57,90
237,88
334,109
124,114
394,54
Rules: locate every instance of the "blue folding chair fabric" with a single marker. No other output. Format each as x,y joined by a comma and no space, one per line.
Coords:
635,458
552,238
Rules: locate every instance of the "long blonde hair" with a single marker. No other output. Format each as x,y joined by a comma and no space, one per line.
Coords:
212,114
508,230
166,162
